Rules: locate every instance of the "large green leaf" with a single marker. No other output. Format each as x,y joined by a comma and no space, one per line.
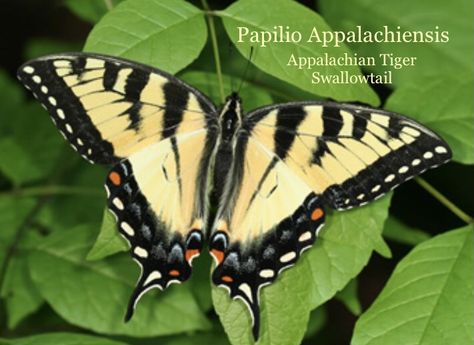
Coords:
166,34
339,255
94,295
273,59
452,58
444,104
62,339
428,299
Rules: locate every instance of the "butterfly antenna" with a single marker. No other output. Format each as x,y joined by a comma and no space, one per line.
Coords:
246,68
230,47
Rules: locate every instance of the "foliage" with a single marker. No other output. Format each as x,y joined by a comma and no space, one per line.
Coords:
62,261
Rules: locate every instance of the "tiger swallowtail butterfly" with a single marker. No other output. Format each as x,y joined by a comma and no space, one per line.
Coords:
272,171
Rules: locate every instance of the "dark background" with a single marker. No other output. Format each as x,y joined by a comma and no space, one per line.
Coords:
24,20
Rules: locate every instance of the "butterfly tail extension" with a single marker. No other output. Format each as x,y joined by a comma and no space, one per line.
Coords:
244,268
164,256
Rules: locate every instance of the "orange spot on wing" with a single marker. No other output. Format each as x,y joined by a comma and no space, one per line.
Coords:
317,213
115,178
218,255
190,253
227,279
174,273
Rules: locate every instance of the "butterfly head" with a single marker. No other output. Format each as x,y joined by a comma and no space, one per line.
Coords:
230,117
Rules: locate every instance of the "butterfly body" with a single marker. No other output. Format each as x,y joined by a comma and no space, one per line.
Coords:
270,172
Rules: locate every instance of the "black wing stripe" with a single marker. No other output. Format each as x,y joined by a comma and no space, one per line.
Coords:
136,82
110,75
286,128
332,122
359,126
78,66
173,115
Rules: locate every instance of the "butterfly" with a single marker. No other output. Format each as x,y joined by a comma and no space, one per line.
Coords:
272,171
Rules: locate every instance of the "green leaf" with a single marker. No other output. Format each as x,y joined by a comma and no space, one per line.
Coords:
66,211
445,105
348,296
63,339
281,323
109,240
199,282
30,143
339,255
90,10
345,246
16,163
166,34
94,295
18,290
38,47
428,299
396,230
274,58
217,338
11,97
317,320
252,96
13,211
424,15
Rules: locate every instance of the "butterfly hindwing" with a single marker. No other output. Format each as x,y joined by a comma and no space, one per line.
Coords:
267,218
159,198
108,108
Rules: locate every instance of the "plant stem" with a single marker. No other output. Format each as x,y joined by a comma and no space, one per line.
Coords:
445,201
109,4
215,48
50,190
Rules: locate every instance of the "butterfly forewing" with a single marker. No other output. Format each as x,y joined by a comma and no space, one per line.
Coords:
348,154
109,108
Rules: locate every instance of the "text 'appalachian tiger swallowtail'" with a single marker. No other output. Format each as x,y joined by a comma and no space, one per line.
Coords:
271,171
